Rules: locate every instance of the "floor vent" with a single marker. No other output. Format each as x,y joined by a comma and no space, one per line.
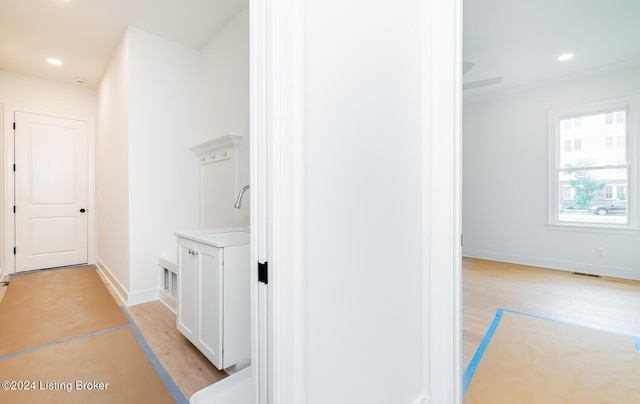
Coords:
170,284
583,274
168,281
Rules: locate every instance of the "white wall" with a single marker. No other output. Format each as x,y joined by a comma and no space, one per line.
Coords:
505,181
363,269
158,99
27,92
147,175
163,176
112,168
224,104
20,92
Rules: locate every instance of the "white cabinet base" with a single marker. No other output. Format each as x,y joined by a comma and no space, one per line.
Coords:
213,309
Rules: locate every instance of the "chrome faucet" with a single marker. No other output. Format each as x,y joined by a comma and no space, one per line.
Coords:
239,198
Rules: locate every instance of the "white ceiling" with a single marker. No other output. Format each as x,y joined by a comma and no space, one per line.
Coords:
521,40
83,34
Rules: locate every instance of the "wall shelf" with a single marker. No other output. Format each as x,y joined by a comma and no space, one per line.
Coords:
218,149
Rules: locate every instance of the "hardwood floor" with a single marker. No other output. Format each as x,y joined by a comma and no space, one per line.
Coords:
186,365
604,303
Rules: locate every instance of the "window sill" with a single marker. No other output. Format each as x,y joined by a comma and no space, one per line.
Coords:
591,228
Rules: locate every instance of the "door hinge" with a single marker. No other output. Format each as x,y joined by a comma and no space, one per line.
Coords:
14,208
14,251
14,126
263,272
14,167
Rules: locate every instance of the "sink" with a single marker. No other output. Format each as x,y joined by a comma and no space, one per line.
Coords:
217,238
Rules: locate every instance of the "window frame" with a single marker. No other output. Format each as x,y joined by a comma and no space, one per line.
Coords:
555,147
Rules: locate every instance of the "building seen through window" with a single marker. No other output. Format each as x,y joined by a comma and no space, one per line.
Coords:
592,168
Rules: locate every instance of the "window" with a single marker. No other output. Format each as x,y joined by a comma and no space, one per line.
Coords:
608,142
585,177
577,145
621,192
608,192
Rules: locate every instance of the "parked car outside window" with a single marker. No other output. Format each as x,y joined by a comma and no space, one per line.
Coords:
611,208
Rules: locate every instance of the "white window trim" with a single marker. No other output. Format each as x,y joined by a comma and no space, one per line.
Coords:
632,105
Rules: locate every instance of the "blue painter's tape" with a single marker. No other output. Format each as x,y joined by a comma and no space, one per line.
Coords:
155,362
153,359
637,341
9,356
475,361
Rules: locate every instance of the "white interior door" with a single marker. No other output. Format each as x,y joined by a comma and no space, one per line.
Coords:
51,191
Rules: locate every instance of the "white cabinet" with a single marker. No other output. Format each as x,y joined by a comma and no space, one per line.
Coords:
213,300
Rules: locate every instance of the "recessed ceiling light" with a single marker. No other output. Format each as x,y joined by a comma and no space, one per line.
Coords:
565,57
54,61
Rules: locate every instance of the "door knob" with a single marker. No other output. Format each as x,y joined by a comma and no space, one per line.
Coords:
83,210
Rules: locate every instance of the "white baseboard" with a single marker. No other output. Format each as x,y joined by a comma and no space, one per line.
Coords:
555,264
129,299
119,290
168,300
143,297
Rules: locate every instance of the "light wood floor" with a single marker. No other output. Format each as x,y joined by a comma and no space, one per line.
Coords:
604,303
188,367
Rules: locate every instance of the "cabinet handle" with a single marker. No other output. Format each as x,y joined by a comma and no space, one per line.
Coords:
193,252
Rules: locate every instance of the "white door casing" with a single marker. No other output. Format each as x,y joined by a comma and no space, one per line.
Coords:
51,191
277,186
277,136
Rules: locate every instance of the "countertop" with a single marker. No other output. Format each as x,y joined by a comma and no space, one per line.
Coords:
218,237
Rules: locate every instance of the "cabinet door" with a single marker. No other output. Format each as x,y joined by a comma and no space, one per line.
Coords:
187,287
210,297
